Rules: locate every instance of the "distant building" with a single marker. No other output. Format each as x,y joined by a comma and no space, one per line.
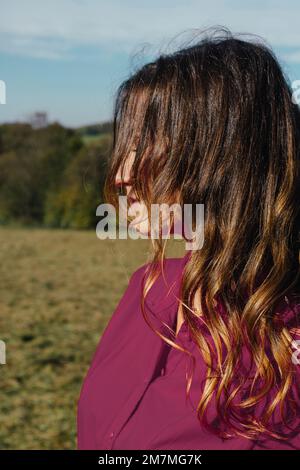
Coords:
39,120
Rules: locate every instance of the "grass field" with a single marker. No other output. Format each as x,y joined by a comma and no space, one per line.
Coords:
58,290
97,138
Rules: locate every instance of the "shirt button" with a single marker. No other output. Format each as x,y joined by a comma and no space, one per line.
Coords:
111,435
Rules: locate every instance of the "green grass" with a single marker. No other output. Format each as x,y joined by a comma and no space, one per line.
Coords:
58,290
97,138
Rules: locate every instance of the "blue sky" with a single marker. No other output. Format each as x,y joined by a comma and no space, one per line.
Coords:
68,57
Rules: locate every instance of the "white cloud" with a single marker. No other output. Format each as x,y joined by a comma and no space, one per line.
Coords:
38,47
53,28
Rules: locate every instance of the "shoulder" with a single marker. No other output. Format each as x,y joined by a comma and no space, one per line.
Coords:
166,283
169,266
170,269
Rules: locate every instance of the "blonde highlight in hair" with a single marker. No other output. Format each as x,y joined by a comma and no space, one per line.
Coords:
214,122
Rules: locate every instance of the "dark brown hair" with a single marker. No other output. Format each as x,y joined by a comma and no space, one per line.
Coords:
215,123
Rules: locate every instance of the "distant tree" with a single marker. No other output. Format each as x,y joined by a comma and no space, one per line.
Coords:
96,129
16,190
81,190
14,136
32,163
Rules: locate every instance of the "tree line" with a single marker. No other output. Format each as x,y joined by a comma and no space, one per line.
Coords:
53,176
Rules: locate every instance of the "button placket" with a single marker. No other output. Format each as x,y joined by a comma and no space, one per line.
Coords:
158,306
139,388
127,411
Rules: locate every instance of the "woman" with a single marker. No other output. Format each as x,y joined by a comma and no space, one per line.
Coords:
201,352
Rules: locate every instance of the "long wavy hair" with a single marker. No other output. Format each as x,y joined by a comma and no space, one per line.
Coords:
214,123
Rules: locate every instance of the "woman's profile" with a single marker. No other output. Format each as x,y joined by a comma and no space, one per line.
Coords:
201,351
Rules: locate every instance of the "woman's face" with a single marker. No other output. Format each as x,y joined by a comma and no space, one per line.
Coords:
124,179
136,209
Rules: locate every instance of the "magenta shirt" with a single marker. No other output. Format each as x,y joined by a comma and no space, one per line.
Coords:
133,396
